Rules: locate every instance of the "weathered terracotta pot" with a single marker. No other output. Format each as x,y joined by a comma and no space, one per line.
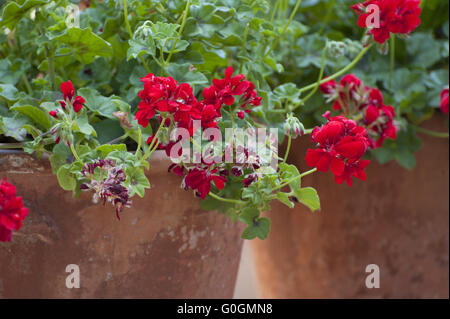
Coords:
165,246
397,219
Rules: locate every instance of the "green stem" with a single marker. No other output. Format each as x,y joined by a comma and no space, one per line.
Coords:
295,178
186,13
392,62
27,83
149,150
327,16
125,13
51,68
74,152
4,146
316,87
432,133
227,200
128,27
274,44
288,148
339,73
139,139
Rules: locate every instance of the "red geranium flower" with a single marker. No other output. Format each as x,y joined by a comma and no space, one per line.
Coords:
341,143
68,94
12,212
200,180
396,16
444,101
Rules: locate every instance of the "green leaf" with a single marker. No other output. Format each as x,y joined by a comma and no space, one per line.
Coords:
248,215
284,198
184,73
35,114
308,196
100,105
108,148
65,178
140,46
8,92
289,172
85,44
61,152
260,228
13,126
139,182
15,10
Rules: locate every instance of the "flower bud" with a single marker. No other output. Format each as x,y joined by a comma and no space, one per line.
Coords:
293,127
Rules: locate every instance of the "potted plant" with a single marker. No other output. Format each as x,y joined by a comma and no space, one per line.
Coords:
119,99
393,218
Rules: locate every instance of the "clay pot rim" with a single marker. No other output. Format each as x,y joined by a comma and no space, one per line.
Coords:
159,160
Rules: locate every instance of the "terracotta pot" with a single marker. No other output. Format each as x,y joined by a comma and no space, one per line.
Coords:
165,246
397,219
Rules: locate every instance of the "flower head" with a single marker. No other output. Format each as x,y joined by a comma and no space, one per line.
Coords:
444,101
341,143
12,212
107,183
395,16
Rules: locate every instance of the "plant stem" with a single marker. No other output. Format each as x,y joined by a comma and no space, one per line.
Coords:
295,178
227,200
4,146
288,148
51,68
127,25
125,13
327,16
322,68
432,133
139,139
339,73
392,62
26,83
274,44
74,152
149,150
183,22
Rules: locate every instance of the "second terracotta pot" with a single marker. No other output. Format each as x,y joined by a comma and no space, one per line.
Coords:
165,246
397,219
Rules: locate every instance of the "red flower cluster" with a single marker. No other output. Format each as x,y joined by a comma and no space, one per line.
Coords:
163,94
68,97
200,178
176,105
12,212
396,16
444,101
341,144
225,91
365,104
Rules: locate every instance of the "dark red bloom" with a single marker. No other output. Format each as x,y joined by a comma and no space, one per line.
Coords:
68,93
396,16
340,142
67,90
365,104
328,87
200,180
352,168
53,114
241,115
78,103
444,101
163,94
231,89
12,212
